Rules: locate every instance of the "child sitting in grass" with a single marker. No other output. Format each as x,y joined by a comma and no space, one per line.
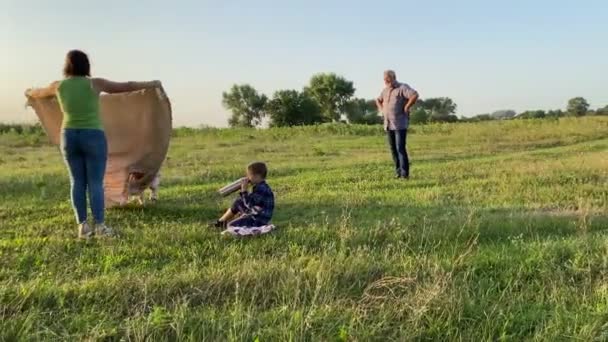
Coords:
251,212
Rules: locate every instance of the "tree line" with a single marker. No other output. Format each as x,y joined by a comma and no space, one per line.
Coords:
327,98
577,106
330,98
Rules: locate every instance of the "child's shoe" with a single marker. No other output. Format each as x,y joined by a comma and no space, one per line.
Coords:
218,224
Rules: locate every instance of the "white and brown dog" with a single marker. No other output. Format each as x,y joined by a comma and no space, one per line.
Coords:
136,194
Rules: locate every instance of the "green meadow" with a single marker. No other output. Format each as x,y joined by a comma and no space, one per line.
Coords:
501,234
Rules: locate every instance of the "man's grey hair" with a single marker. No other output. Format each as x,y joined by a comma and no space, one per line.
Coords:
391,74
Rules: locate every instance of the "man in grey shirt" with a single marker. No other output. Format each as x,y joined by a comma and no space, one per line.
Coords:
395,103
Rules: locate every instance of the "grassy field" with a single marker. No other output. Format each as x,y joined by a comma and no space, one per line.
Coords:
500,235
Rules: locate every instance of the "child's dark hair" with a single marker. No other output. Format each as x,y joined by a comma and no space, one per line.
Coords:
258,168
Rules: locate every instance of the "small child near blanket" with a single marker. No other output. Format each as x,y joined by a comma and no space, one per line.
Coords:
251,212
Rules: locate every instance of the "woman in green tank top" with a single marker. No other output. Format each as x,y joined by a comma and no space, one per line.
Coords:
83,142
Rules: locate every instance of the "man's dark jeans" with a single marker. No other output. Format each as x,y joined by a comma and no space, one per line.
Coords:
397,140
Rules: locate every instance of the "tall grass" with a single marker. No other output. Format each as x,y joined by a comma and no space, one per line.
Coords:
501,234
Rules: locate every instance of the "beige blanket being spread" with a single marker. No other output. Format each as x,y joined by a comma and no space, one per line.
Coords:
138,130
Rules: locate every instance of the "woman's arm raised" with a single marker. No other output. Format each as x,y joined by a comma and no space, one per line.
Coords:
38,93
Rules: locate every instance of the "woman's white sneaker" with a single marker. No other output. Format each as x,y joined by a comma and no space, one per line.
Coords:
103,230
84,231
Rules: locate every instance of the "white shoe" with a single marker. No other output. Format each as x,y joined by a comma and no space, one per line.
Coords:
84,231
103,230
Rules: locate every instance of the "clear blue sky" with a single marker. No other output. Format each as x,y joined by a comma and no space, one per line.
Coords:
486,55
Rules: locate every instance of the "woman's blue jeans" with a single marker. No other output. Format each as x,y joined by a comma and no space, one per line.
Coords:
85,152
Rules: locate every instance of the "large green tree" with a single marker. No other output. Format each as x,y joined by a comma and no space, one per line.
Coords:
332,93
438,109
293,108
246,104
361,111
578,106
439,106
419,116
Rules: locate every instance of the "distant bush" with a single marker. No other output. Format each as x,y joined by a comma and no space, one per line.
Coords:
532,114
555,113
479,117
21,129
444,118
503,114
21,135
602,111
338,129
186,131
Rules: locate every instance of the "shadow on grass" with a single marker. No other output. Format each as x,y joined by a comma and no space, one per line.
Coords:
440,223
194,209
493,225
375,224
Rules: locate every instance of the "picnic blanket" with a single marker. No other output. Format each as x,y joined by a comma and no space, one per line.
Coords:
138,129
248,231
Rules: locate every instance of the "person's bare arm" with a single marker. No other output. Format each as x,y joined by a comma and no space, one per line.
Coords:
106,86
411,102
379,104
38,93
411,95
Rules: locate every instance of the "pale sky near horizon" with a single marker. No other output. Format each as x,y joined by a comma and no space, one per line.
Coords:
486,55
